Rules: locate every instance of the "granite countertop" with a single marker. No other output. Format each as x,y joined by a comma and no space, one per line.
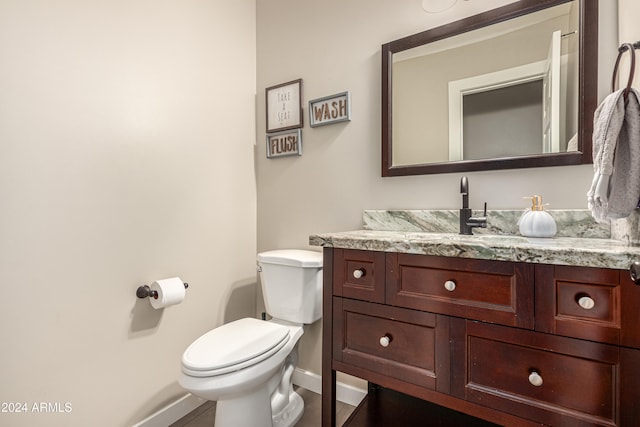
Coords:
562,250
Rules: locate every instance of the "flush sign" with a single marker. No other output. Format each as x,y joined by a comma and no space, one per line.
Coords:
287,143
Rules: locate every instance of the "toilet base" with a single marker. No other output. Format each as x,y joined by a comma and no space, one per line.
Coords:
233,412
251,409
291,413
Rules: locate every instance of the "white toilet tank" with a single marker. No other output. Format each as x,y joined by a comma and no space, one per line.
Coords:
292,284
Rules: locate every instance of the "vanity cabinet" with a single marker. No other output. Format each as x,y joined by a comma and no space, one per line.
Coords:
515,344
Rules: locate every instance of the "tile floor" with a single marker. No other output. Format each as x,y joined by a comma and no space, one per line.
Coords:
205,414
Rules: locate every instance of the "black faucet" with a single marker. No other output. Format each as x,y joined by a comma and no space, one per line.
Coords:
467,221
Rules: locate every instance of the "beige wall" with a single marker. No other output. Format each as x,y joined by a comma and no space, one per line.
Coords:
334,46
126,155
629,33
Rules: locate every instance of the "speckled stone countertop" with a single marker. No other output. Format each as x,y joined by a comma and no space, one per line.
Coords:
599,251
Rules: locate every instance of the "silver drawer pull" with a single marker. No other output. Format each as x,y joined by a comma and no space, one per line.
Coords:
586,302
359,273
385,341
450,285
535,379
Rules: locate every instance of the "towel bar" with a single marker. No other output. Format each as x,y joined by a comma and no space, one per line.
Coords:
631,47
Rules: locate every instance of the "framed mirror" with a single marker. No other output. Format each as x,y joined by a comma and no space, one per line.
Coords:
513,87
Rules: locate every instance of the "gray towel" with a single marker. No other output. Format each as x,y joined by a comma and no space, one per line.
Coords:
615,190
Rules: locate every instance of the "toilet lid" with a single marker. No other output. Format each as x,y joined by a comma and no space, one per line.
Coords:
291,257
233,346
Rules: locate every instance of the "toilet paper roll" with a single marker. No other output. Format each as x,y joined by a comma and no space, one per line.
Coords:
170,292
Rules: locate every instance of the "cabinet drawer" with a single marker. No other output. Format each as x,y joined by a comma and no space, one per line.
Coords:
588,303
553,380
359,274
491,291
394,342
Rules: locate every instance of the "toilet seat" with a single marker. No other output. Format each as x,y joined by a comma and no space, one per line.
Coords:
233,346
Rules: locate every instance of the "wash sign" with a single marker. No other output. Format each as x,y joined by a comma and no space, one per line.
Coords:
330,109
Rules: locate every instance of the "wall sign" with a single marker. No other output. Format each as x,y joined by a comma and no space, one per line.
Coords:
284,106
330,109
286,143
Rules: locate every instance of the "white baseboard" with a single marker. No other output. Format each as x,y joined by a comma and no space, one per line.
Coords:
305,379
172,412
313,382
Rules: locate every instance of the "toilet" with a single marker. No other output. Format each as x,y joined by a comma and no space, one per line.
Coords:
247,365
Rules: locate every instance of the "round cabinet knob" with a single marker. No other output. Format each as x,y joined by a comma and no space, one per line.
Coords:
634,272
385,341
535,379
450,285
358,273
586,302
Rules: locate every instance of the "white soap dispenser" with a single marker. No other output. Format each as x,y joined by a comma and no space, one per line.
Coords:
535,222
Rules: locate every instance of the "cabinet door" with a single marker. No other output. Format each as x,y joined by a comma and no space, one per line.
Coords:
490,291
595,304
406,345
548,379
359,274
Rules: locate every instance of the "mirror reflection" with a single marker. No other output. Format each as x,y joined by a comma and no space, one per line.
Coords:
511,89
508,89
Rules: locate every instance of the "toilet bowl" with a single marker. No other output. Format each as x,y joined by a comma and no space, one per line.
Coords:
247,365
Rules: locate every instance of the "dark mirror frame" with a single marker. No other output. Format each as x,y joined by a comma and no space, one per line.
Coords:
588,88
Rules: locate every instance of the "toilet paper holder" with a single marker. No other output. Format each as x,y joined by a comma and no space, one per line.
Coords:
146,292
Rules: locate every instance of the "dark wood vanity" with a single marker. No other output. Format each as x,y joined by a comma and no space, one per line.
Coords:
509,343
